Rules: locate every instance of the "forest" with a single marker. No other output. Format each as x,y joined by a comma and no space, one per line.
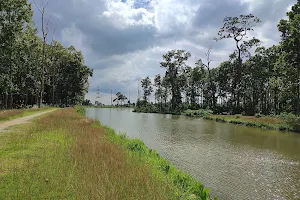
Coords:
37,69
266,81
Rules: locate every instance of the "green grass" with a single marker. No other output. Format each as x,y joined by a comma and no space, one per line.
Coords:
7,115
258,122
63,155
34,164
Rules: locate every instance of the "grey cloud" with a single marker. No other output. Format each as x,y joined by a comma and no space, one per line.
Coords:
112,47
211,13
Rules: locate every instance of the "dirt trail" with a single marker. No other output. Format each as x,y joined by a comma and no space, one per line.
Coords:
21,120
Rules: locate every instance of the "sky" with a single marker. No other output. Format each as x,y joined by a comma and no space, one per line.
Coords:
123,41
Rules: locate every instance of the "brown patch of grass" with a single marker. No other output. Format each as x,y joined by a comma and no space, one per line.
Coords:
4,114
107,172
61,156
266,119
270,120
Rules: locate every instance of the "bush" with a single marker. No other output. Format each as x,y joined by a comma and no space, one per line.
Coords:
238,116
220,120
294,123
80,110
199,113
259,115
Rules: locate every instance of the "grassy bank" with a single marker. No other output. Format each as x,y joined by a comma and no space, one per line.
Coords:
6,115
63,155
252,121
283,122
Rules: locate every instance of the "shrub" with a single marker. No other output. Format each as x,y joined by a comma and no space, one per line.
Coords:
80,110
238,116
259,115
220,120
199,113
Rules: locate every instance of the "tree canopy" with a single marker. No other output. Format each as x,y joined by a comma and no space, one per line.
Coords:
266,82
32,70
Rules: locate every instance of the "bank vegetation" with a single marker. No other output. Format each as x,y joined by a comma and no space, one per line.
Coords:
63,155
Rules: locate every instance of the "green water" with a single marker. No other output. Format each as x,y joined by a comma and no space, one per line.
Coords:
236,162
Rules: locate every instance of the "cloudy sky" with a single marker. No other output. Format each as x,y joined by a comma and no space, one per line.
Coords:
124,40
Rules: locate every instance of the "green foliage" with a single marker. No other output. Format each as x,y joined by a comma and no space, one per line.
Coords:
147,87
264,83
259,115
33,71
198,113
146,108
292,120
120,98
80,110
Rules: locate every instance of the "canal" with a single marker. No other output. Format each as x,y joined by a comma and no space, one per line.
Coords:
235,162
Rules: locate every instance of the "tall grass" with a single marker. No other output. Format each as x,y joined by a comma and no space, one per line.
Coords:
259,122
63,155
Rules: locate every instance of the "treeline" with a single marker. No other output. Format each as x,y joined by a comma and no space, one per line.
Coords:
34,70
266,82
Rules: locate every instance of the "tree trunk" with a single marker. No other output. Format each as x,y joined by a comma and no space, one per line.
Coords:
6,99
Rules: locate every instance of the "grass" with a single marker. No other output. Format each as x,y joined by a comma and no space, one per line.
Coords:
6,115
265,122
63,155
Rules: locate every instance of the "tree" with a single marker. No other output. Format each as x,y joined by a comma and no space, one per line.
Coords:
45,31
147,87
23,55
237,28
212,88
159,91
195,83
174,63
14,14
120,97
290,30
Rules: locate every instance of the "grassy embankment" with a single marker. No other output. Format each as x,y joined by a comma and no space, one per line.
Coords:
63,155
6,115
284,122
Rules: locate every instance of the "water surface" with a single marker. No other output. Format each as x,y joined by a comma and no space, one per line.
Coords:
236,162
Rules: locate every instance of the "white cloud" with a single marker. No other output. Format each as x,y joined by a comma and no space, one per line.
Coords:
124,42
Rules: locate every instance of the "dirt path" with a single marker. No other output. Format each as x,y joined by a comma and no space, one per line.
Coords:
22,120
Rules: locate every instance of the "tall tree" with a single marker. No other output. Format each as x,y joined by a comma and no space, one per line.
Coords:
174,63
290,29
237,28
212,88
120,97
147,87
14,14
159,91
45,31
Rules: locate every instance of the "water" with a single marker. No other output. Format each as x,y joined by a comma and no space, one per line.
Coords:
236,162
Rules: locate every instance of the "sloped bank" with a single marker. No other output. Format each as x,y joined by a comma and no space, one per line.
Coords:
183,186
